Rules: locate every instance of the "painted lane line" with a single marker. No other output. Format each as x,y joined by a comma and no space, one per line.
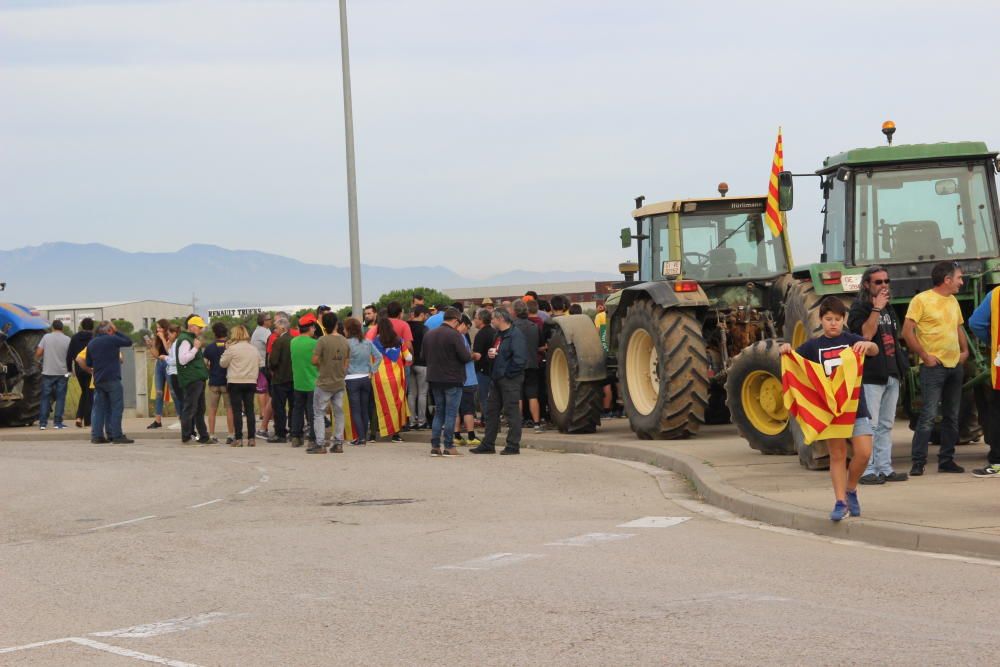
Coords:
129,653
249,489
209,502
124,523
25,647
655,522
492,561
588,539
725,516
264,477
164,627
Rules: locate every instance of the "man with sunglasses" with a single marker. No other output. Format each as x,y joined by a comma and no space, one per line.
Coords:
873,318
933,331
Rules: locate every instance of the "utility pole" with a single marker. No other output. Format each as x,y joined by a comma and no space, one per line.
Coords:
352,180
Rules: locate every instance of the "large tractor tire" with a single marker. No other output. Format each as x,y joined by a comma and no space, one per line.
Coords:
756,401
801,317
574,406
663,371
25,411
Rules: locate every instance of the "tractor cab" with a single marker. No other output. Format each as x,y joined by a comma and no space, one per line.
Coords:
904,206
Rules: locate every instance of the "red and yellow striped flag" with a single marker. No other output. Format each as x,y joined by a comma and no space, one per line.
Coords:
825,407
389,388
772,214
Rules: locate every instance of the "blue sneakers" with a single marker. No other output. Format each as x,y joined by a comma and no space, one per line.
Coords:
853,506
839,511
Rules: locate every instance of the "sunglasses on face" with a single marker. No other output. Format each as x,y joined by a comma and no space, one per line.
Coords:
881,282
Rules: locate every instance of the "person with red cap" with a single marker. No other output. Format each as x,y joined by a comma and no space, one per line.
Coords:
304,375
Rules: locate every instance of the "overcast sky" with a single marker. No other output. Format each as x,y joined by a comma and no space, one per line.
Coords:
490,135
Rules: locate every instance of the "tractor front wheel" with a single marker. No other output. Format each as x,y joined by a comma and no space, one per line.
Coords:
756,401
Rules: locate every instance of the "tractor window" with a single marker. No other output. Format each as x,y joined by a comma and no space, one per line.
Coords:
645,251
909,215
836,222
720,246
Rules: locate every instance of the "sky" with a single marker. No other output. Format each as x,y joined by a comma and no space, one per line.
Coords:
490,136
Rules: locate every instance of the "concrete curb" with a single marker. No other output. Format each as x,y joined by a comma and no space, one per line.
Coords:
715,491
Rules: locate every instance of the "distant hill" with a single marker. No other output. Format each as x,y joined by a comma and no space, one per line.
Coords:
80,273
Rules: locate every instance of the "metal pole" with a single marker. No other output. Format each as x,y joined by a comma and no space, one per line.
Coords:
352,180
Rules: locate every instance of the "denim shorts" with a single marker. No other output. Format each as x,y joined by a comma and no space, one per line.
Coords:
862,426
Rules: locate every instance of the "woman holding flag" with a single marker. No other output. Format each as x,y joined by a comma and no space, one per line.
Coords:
388,383
822,386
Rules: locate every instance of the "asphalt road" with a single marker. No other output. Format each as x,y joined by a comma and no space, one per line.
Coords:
112,555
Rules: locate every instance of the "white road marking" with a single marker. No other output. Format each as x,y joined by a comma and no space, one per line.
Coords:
129,653
491,561
719,514
248,490
264,477
655,522
124,523
25,647
164,627
589,538
210,502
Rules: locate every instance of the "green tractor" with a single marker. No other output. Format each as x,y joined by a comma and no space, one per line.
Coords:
711,280
904,207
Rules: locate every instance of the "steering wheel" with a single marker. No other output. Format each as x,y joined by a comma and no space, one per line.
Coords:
702,260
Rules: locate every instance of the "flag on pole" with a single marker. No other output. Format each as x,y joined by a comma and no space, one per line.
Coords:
825,407
772,214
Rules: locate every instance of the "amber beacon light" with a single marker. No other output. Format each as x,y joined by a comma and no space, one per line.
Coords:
888,129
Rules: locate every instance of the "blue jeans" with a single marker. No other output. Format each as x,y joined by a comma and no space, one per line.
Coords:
160,381
446,400
109,405
939,387
484,391
50,384
881,400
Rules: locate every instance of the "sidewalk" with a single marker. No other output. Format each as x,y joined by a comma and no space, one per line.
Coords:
945,513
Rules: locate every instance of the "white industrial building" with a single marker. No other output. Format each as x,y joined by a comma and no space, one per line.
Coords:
142,314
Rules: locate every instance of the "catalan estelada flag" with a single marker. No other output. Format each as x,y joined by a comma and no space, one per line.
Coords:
772,214
389,389
825,407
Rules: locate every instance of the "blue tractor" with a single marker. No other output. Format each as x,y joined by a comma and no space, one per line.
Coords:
20,373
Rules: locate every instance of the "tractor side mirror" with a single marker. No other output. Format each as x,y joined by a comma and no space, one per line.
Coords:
626,237
785,191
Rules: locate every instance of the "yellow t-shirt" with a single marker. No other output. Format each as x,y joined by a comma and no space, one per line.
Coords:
937,318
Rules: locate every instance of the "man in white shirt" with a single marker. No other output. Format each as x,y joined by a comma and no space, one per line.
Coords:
52,351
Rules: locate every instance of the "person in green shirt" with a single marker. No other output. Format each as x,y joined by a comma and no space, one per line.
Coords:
304,375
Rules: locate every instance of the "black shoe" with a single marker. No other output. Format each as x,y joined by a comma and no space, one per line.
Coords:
155,425
99,441
950,466
205,440
872,479
296,442
896,477
917,470
396,438
122,440
509,451
483,449
277,439
316,450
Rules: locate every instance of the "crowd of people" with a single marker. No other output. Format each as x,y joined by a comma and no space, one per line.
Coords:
320,383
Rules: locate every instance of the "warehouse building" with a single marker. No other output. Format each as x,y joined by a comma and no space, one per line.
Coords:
142,314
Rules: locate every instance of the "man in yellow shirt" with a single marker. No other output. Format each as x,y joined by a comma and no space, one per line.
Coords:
933,331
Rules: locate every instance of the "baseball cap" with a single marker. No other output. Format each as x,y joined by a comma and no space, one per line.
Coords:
487,301
196,321
307,319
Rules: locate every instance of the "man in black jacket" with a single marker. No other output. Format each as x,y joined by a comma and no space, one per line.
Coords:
872,318
279,363
77,344
510,355
446,354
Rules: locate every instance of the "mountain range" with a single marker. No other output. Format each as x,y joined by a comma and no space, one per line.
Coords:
64,273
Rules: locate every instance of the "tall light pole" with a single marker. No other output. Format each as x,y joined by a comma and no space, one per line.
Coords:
352,179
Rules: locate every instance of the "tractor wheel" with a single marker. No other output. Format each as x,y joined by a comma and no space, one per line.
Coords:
663,370
25,411
801,316
574,406
811,457
756,401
